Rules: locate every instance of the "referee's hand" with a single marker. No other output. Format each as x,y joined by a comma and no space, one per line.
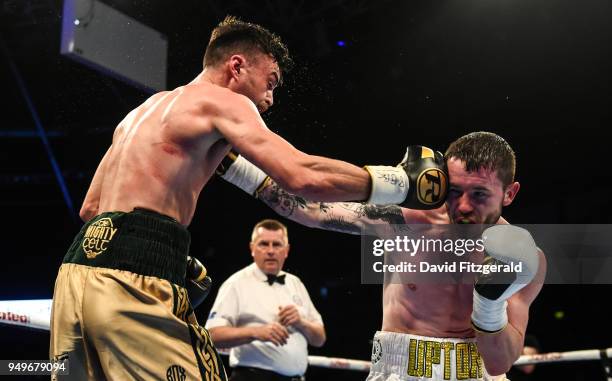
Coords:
289,315
273,332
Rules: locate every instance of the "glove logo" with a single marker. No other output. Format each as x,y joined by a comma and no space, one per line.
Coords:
97,236
432,186
376,350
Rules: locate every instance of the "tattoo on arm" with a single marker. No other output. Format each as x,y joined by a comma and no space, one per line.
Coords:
323,207
352,222
339,224
280,200
346,217
391,214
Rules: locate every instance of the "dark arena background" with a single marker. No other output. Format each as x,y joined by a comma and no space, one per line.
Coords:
372,77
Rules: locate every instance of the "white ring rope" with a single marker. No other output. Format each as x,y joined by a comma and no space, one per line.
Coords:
338,363
552,357
36,314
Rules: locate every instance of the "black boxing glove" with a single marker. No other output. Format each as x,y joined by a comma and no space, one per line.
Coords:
198,284
420,181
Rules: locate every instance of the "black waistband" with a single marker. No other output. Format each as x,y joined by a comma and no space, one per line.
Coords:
142,241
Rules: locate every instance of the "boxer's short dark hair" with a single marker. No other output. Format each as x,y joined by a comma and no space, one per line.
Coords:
234,36
485,150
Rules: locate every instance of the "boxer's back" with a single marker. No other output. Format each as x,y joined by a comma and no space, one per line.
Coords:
163,153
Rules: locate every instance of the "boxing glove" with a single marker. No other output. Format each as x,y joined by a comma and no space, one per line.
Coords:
503,244
198,283
419,181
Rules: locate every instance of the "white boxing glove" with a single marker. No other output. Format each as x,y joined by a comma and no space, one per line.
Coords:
504,244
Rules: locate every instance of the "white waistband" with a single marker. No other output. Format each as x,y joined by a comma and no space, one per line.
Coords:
413,357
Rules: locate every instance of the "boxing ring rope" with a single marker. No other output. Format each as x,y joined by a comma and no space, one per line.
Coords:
541,358
556,357
339,363
35,314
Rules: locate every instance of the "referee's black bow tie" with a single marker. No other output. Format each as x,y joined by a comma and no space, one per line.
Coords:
273,278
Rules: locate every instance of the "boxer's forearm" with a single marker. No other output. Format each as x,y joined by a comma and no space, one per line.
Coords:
499,351
306,212
323,179
314,333
345,217
228,337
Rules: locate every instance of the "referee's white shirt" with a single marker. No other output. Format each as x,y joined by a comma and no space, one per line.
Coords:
246,299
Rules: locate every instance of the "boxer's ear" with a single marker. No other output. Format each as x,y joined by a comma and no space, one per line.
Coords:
510,192
236,62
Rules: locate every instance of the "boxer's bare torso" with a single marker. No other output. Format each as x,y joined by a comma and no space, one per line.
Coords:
163,153
409,309
436,310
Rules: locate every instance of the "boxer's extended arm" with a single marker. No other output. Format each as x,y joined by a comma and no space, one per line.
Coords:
89,209
345,217
500,350
314,177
